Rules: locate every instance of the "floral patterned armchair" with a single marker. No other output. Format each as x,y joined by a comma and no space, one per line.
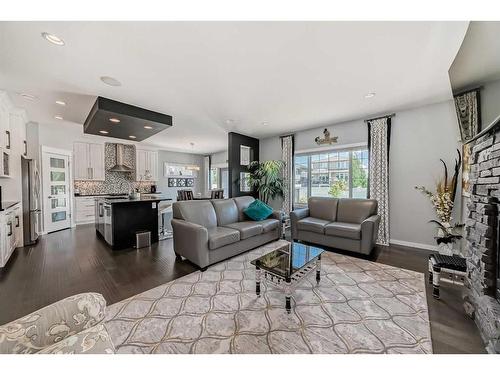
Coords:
71,325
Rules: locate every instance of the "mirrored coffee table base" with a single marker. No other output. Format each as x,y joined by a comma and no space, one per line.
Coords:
286,267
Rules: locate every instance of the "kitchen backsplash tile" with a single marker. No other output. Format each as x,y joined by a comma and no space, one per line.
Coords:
115,182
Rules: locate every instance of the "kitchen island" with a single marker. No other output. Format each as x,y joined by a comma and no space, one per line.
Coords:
118,219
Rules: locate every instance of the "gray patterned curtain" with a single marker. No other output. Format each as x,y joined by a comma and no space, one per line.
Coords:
287,149
469,114
379,134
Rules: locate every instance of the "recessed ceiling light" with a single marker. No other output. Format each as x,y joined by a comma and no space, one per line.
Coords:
53,39
148,127
60,102
132,136
229,121
103,132
370,95
27,96
110,81
58,117
114,120
264,123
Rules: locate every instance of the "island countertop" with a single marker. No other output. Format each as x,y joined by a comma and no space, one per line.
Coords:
136,200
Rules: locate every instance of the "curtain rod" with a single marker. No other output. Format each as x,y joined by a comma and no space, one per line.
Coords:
378,118
287,135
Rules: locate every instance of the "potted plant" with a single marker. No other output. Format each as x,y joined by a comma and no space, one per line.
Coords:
266,178
443,200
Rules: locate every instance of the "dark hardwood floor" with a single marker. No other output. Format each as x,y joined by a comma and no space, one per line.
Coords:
75,261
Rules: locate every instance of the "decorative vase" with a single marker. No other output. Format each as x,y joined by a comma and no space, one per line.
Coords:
444,248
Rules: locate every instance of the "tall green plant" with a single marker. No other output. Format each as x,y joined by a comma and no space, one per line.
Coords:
266,179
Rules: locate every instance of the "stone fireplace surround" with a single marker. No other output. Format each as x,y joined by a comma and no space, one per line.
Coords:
482,298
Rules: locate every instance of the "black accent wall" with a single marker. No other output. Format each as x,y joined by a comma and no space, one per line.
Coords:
235,140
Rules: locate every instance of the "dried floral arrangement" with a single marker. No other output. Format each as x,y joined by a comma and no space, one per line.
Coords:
443,200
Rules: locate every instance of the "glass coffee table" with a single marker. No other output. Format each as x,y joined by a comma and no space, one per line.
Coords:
286,266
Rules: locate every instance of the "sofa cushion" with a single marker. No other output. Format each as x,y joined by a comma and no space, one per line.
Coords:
197,212
242,203
345,230
312,224
323,208
222,236
258,210
247,229
226,211
356,210
269,225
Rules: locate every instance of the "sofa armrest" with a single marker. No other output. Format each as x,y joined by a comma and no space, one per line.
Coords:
278,215
191,241
95,340
369,233
52,323
295,216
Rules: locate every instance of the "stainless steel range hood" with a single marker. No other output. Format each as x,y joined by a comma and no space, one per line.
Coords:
120,165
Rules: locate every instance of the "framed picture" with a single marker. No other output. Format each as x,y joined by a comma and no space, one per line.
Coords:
176,170
245,182
244,155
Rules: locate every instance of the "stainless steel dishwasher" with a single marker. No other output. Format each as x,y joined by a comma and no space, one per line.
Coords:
99,215
108,223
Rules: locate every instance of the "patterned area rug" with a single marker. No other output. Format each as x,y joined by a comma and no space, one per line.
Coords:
358,307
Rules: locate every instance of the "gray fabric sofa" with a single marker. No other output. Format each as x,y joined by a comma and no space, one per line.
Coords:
70,326
209,231
346,224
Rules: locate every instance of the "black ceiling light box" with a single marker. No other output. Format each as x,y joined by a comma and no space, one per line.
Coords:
124,121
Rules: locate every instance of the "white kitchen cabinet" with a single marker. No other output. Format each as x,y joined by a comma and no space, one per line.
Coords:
5,131
146,165
96,158
23,137
84,210
88,161
10,232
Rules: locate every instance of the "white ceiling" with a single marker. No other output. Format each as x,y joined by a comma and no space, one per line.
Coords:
291,75
479,56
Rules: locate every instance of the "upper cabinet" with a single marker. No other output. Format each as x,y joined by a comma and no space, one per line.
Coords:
13,122
17,134
88,161
23,137
146,164
5,133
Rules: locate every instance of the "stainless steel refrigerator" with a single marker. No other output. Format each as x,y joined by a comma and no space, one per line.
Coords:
32,213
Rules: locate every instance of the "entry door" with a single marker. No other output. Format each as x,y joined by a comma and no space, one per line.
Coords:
56,186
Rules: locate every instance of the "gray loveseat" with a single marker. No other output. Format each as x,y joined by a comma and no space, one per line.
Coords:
346,224
209,231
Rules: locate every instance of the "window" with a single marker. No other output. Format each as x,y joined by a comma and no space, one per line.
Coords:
214,178
339,173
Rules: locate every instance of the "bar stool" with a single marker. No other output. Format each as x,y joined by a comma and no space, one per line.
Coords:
165,209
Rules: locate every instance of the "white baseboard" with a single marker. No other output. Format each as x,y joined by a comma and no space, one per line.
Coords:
415,245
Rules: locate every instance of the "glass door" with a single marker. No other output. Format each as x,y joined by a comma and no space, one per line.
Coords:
56,181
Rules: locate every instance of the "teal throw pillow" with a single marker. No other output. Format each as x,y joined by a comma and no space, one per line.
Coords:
258,210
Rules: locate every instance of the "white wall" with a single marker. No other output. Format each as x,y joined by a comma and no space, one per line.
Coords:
181,158
219,159
419,138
